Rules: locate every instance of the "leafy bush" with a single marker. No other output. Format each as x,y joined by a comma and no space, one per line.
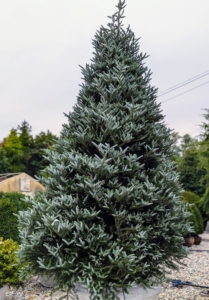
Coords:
204,206
199,227
10,204
190,197
9,270
196,217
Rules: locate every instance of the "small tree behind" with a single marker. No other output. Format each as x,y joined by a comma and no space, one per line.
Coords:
192,175
14,151
196,218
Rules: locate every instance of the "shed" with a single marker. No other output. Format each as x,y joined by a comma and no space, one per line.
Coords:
19,182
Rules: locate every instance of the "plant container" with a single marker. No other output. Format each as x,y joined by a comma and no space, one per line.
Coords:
189,241
46,281
197,239
136,293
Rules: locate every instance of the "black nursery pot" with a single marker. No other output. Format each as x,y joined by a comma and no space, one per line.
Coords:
197,239
189,241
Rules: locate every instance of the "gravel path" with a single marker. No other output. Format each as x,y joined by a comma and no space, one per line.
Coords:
195,271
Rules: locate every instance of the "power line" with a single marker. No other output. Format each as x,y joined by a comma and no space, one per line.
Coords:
185,92
171,90
183,83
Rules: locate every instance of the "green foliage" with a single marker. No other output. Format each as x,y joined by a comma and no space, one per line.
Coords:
191,174
10,204
9,270
204,163
204,203
205,126
190,197
112,214
4,162
196,217
175,147
14,151
198,224
42,141
186,142
24,133
20,152
204,160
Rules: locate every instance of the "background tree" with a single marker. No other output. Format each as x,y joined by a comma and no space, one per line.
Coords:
14,151
20,152
205,126
204,146
176,147
42,141
24,132
191,173
204,162
186,142
4,162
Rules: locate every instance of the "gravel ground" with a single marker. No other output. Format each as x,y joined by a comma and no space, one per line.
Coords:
195,271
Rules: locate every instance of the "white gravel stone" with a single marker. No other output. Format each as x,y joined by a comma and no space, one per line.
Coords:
196,270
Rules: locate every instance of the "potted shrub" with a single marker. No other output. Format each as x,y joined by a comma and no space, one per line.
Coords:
8,266
195,219
112,217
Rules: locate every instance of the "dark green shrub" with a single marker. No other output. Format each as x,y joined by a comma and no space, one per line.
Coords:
192,219
190,197
199,227
204,202
204,206
10,204
196,217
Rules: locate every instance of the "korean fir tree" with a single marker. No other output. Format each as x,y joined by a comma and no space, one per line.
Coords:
111,215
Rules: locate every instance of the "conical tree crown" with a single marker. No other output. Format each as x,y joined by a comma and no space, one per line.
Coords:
112,214
116,104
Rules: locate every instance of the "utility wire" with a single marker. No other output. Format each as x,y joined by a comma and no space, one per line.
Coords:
186,91
171,90
180,85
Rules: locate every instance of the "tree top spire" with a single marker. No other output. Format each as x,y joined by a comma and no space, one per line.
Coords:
116,17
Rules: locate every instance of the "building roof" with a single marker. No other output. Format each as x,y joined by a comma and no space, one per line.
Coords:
19,182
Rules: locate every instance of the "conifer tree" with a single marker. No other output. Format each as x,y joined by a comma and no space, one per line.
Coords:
24,131
112,214
14,151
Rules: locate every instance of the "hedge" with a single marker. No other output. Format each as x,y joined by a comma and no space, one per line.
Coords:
10,204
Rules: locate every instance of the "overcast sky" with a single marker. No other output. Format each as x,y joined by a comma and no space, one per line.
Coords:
43,42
